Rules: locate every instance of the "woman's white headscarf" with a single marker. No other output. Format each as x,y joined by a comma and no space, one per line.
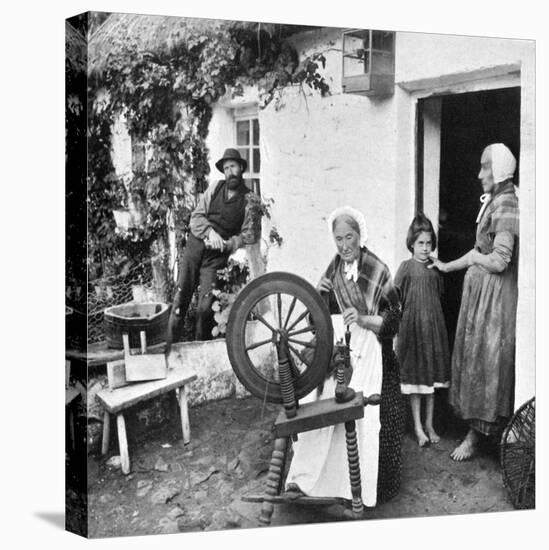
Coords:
503,168
503,162
351,270
353,213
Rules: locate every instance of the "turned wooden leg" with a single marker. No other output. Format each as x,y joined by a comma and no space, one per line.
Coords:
354,468
106,432
123,443
286,382
273,479
184,410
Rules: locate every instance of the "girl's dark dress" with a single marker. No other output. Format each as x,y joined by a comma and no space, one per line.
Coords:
422,343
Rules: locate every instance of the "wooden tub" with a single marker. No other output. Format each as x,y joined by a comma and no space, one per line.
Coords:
132,318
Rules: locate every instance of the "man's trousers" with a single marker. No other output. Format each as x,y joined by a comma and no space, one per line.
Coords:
198,266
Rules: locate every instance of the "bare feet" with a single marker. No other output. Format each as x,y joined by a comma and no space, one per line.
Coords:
433,436
422,439
466,449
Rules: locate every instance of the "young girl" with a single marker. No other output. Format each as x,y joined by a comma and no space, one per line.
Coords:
422,344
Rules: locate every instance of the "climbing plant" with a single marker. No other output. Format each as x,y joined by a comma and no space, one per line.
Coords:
165,95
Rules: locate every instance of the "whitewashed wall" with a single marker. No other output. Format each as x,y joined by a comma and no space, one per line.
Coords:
320,153
423,55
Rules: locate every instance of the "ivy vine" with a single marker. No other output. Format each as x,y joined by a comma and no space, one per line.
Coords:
166,97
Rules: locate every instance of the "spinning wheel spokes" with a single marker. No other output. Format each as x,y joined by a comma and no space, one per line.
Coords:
308,328
279,308
290,311
258,344
284,306
299,355
262,319
300,318
306,344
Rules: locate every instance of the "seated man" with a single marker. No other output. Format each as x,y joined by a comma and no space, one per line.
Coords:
220,224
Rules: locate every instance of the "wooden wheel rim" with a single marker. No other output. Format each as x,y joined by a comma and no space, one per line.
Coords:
281,283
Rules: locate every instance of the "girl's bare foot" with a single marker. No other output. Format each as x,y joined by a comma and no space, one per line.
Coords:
422,439
433,436
466,449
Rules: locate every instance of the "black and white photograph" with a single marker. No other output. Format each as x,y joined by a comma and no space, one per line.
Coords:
300,271
305,286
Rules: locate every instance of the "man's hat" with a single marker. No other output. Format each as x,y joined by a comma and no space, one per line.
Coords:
231,154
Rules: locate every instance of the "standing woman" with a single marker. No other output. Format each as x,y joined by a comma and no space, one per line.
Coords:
362,284
483,359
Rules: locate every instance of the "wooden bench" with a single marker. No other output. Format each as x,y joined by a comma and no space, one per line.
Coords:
117,400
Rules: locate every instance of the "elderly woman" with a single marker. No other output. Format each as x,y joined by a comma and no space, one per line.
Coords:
483,359
359,283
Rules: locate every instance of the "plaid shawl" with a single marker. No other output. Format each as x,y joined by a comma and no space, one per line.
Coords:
379,294
502,212
501,215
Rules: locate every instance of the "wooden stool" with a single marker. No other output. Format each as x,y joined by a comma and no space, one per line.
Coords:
119,399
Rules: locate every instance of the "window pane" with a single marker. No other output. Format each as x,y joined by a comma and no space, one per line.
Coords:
245,154
253,184
353,53
382,63
366,61
382,40
243,132
256,131
257,164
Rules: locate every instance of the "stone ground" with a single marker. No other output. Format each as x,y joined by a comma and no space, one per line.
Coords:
175,488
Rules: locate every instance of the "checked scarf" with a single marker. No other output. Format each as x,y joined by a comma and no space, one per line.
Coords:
373,293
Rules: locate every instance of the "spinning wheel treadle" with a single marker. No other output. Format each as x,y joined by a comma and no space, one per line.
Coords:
296,343
292,315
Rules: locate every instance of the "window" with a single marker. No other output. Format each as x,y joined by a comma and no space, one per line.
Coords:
247,143
368,62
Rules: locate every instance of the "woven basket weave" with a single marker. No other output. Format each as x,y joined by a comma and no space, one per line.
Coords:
518,459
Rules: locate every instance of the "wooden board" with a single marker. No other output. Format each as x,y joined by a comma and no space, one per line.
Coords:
319,414
293,498
116,374
145,367
99,354
132,394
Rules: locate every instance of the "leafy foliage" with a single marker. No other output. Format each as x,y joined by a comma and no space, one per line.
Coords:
166,98
231,279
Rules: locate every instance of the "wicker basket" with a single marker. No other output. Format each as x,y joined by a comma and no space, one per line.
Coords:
132,318
518,456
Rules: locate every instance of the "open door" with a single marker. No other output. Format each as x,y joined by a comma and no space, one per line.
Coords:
452,133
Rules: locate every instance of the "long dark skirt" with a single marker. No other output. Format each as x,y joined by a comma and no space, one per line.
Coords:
392,428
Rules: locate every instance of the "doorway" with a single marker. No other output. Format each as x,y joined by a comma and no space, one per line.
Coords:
467,122
453,130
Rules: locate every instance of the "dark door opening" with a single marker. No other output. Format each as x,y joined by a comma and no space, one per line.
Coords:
469,122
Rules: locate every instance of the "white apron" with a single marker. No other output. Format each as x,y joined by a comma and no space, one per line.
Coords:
319,466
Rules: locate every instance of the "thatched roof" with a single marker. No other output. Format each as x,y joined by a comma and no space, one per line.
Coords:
75,50
159,33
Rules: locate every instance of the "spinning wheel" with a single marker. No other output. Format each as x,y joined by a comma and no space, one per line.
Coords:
518,447
280,343
286,312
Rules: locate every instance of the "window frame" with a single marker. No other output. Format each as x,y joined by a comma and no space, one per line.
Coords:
249,114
